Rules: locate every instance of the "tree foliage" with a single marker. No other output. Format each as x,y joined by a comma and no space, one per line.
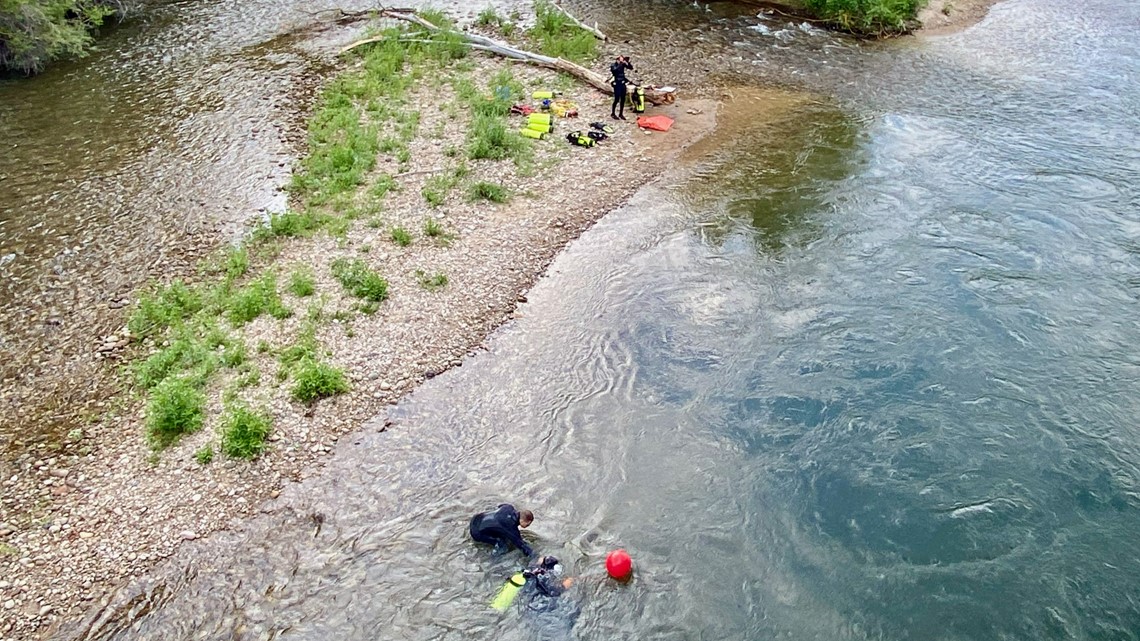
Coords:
35,32
867,17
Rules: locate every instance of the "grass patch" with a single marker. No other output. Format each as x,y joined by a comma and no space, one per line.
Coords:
401,236
158,311
315,380
234,354
359,280
435,229
291,224
256,298
867,17
384,184
205,454
433,282
302,283
488,191
558,37
176,407
249,376
244,431
184,352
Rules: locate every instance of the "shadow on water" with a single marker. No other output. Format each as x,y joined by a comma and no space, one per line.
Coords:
785,156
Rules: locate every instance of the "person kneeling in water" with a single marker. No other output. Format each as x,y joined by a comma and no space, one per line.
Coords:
501,526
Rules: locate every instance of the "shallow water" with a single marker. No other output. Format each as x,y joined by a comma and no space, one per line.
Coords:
858,372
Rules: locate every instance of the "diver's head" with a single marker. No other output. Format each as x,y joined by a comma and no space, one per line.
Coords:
550,564
526,517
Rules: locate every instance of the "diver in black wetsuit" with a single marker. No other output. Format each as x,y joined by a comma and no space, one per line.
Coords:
552,615
618,82
501,527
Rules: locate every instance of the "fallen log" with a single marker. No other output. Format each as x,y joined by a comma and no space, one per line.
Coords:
497,47
594,29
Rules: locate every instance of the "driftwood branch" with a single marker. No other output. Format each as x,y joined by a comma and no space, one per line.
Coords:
594,29
490,45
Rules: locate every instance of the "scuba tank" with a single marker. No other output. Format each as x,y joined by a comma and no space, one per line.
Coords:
538,126
542,119
543,95
531,133
601,126
637,100
596,135
577,138
508,592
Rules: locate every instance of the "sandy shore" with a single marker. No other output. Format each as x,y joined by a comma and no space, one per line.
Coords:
102,508
942,17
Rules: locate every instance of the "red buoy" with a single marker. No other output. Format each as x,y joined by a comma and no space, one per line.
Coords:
619,565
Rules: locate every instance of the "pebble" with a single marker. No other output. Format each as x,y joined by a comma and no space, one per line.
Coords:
188,535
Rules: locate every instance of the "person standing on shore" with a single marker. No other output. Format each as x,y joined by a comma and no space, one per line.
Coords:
501,526
618,81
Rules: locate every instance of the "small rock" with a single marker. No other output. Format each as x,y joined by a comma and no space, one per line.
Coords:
189,535
46,610
9,604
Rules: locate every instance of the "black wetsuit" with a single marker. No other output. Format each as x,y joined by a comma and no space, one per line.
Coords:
617,72
552,615
499,526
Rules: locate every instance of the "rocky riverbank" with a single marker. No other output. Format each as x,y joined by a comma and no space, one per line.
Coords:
98,509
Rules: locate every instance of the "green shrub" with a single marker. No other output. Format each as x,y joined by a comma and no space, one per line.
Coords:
559,37
359,280
401,236
183,353
250,376
488,138
302,283
492,192
244,431
204,454
384,184
255,299
432,282
867,17
158,311
234,354
434,229
315,380
176,407
293,224
35,32
488,17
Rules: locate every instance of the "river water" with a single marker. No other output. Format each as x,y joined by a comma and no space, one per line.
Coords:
859,369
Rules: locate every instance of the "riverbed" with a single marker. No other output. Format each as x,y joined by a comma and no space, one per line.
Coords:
854,370
860,367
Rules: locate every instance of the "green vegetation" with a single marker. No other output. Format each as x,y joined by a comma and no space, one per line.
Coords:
205,454
176,407
557,36
316,380
359,280
488,17
163,308
867,17
302,283
244,431
492,192
191,335
401,236
35,32
257,298
432,282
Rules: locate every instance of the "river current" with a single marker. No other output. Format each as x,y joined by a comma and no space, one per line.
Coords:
860,368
